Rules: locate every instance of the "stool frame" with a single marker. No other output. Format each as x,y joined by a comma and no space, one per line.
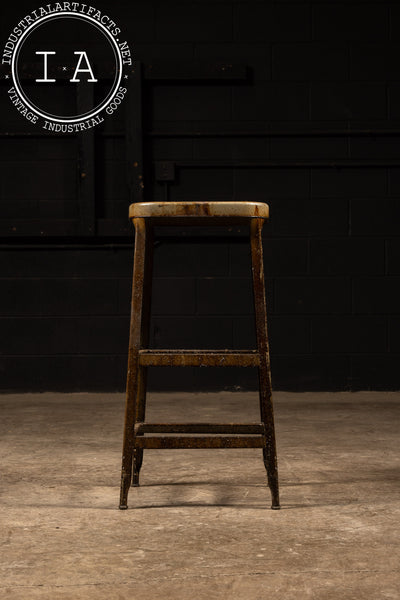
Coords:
229,435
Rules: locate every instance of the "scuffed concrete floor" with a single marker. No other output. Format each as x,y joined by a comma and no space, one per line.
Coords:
200,526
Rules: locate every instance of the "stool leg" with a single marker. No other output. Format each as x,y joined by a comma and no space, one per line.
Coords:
140,415
264,370
136,377
144,343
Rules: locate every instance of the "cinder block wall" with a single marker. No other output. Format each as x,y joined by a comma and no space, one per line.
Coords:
332,249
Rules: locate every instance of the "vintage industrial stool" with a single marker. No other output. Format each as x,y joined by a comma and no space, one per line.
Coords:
145,216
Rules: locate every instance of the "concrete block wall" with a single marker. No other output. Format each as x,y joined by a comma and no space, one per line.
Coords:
332,250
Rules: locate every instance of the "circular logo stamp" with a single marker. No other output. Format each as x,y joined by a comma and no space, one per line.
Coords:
68,66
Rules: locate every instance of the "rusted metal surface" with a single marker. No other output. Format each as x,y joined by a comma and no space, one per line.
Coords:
192,443
144,341
214,435
231,428
199,358
264,370
138,337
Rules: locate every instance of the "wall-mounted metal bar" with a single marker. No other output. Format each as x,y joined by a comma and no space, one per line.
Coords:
195,70
86,167
179,70
226,134
73,246
272,134
352,164
38,227
33,135
134,134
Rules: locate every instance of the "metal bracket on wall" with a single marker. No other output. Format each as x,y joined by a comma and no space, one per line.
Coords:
86,168
165,170
134,134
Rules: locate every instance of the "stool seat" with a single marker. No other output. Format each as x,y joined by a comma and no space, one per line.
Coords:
258,210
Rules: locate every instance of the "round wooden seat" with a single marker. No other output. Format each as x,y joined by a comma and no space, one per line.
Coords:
242,210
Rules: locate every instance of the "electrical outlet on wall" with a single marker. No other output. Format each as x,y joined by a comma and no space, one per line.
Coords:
165,170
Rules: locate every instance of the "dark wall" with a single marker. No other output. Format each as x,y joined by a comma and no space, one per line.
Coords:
321,79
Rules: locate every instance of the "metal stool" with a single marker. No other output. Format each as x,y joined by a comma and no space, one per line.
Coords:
145,216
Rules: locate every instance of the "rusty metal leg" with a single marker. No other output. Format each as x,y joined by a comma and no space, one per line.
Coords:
140,413
264,370
144,342
135,385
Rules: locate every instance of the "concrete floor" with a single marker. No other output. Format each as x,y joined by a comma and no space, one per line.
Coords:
200,526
